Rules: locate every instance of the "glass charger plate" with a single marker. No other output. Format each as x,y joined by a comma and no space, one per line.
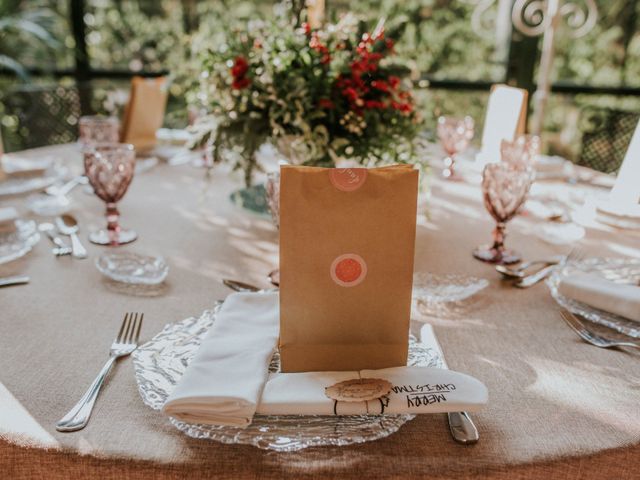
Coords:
18,243
615,269
18,186
160,363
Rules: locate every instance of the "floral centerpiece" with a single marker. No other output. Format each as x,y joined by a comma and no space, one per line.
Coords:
319,95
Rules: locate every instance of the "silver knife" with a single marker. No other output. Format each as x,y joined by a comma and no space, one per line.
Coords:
17,280
462,428
534,278
239,286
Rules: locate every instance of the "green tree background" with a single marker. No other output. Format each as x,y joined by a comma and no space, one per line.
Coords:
440,44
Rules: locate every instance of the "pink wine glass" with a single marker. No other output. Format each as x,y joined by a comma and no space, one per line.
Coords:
521,152
110,168
505,189
94,129
455,134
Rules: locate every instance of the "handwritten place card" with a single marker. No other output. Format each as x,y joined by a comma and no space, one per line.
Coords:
505,118
145,112
414,390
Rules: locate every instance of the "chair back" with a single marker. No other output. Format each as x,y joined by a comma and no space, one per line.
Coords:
39,116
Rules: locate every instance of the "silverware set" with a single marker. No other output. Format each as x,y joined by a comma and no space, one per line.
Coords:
124,344
65,189
66,225
524,276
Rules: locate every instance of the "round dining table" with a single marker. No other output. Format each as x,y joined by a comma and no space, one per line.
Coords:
558,407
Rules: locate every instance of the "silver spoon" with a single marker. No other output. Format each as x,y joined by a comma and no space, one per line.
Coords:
520,271
61,247
68,225
67,187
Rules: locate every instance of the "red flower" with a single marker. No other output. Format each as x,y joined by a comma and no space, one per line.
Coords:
326,104
371,104
240,67
351,94
402,107
240,83
380,85
394,81
317,45
307,28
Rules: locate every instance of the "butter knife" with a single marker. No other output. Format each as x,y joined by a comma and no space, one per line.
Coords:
17,280
462,428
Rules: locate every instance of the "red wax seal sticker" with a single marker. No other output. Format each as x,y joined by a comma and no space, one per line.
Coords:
348,270
347,179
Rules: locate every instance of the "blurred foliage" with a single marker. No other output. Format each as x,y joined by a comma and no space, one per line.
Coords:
29,36
154,35
439,40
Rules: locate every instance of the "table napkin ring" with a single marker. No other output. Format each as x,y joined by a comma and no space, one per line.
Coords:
358,390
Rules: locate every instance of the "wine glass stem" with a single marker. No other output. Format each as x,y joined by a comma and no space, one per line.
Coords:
113,217
499,236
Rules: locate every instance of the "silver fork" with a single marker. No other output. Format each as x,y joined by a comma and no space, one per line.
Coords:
591,337
125,343
575,255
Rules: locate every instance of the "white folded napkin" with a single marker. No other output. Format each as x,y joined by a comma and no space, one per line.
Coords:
228,381
600,293
224,381
414,390
16,166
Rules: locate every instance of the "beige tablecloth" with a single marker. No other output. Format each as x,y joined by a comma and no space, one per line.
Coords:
558,409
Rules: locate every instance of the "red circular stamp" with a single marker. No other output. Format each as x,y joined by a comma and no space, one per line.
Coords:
348,270
348,179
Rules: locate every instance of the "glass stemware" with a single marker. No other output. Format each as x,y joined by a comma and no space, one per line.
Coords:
110,168
505,189
272,188
455,134
522,152
94,129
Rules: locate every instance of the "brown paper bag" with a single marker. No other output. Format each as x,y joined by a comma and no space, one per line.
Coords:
347,241
145,112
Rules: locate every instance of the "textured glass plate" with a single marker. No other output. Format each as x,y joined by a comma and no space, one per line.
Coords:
432,288
160,363
17,186
18,243
133,268
614,269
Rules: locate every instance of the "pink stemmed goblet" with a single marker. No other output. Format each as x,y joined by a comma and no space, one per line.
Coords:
521,152
455,134
505,189
94,129
110,168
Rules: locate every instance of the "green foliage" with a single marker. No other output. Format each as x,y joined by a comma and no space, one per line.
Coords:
329,93
25,36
